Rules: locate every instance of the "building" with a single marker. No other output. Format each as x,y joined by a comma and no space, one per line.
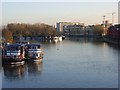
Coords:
74,30
114,32
89,30
61,26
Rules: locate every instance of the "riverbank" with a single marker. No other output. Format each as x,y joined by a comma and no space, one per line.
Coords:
109,40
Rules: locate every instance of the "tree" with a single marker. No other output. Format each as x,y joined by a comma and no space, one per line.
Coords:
38,29
7,35
98,30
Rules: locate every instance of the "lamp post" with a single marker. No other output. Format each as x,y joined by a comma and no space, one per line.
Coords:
104,25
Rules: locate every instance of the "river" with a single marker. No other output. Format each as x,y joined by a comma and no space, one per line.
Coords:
72,63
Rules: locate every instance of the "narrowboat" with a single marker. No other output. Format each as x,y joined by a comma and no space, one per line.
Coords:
33,52
13,54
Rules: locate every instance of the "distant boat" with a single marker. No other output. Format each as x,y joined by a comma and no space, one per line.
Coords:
33,52
60,38
56,39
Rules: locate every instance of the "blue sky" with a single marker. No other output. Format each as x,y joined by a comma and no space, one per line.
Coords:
52,12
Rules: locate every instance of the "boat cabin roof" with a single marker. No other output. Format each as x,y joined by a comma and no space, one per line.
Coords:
22,42
33,45
13,45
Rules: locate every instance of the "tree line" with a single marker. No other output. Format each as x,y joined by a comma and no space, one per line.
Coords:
15,30
98,30
27,30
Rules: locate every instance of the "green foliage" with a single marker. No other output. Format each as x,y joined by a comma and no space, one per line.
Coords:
98,30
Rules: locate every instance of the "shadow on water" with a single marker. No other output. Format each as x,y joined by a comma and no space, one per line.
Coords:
115,46
94,41
14,71
83,40
34,68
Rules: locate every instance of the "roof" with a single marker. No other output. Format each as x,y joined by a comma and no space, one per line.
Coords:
115,27
32,44
14,45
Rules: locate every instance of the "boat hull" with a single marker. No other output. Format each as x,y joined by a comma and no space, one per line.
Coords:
12,62
34,60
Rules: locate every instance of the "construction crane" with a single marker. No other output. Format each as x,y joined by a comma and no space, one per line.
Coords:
104,19
112,17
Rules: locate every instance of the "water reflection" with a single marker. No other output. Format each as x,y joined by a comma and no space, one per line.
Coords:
0,64
92,63
34,68
85,39
117,47
14,71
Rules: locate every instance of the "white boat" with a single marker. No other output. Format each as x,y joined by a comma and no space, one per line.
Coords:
56,39
60,38
34,52
13,54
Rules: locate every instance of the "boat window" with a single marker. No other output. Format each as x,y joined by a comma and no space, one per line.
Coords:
28,47
34,47
13,48
36,54
8,48
16,48
38,46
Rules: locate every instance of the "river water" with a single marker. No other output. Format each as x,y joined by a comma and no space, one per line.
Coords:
72,63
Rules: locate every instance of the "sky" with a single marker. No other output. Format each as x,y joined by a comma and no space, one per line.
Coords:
52,12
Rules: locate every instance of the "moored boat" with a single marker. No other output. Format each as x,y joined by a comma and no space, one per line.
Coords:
13,54
33,52
60,38
55,39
